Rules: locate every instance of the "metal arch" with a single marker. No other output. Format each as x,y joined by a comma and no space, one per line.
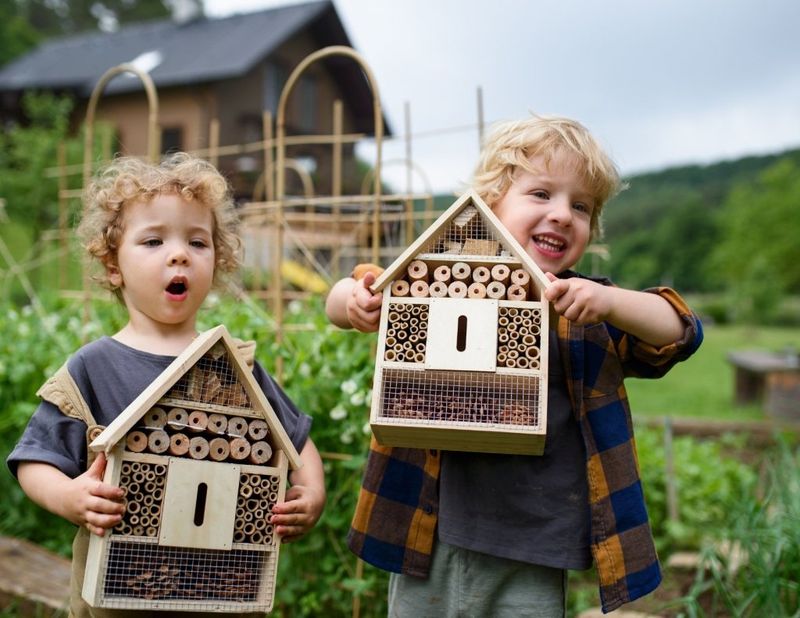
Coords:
280,189
378,122
153,145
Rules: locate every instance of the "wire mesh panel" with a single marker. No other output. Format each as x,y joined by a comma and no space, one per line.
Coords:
150,576
460,398
465,234
213,380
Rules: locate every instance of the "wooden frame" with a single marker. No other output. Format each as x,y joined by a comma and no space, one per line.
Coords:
458,370
195,536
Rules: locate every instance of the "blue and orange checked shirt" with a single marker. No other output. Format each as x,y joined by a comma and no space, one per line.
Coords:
394,525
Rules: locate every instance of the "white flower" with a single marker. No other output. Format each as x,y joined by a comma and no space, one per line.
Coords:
349,387
366,429
24,329
305,370
357,399
346,437
338,413
295,307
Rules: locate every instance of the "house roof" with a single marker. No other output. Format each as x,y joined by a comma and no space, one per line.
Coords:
470,198
173,54
177,369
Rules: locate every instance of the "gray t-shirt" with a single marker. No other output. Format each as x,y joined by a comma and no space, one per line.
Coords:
534,509
110,375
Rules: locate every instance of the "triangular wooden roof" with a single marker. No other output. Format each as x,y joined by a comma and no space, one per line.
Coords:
470,198
120,426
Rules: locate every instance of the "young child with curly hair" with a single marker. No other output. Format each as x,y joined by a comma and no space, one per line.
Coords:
162,235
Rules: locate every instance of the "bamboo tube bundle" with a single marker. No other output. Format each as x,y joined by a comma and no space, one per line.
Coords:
408,326
143,484
257,495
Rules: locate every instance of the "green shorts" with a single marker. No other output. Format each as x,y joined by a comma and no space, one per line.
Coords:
468,584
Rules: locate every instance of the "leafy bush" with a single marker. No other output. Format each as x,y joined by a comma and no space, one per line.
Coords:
327,372
709,482
757,572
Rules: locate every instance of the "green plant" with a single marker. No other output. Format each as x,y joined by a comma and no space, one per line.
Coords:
757,571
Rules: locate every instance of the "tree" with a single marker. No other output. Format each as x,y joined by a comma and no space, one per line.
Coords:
759,256
17,35
59,17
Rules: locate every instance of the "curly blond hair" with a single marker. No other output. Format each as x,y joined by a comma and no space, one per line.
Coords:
512,144
129,179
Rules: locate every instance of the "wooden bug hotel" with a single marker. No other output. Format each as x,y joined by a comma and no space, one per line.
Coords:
202,459
463,344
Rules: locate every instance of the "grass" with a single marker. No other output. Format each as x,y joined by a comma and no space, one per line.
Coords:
703,386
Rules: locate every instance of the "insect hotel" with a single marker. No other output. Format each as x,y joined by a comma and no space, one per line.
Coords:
202,458
462,347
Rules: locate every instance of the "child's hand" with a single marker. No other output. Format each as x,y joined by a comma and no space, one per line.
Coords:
580,300
298,513
363,307
90,502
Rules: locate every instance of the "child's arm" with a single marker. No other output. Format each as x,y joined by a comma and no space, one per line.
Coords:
351,304
304,500
648,317
85,500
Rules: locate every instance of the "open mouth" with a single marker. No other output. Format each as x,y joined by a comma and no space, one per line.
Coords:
177,286
549,243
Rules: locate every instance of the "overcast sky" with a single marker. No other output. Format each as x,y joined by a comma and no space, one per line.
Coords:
659,82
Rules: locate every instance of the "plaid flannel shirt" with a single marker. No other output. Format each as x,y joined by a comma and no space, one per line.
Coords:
394,525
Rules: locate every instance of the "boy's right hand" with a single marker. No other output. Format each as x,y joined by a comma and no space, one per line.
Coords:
363,307
92,503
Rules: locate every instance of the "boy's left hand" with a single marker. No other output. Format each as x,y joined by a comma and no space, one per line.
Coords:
580,300
298,513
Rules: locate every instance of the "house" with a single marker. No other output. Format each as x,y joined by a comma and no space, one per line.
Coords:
463,345
230,69
202,458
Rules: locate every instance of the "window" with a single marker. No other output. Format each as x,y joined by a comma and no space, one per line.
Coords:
171,139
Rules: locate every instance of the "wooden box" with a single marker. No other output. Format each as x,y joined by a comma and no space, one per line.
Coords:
202,459
463,342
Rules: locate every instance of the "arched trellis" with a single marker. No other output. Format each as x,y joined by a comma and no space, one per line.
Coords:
153,137
280,184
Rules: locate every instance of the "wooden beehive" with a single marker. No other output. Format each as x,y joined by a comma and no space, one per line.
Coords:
202,459
463,341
